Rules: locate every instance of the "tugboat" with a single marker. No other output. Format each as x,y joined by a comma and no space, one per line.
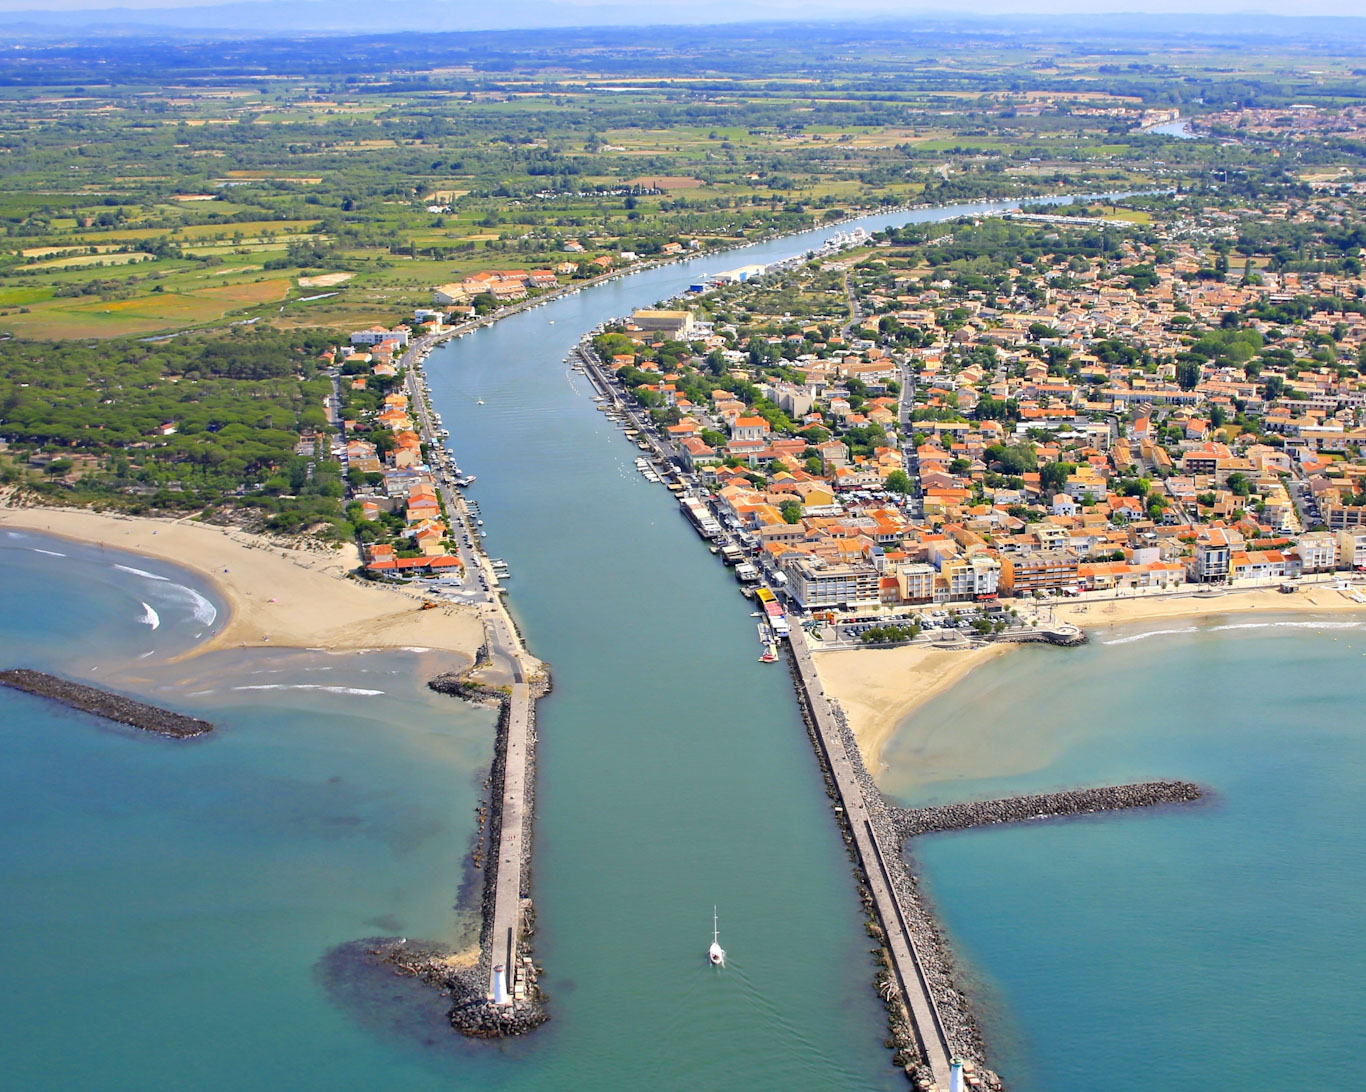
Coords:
716,955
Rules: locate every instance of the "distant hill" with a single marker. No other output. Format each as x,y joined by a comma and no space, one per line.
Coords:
271,18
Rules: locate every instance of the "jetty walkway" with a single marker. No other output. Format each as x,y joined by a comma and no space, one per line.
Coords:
505,930
905,961
510,667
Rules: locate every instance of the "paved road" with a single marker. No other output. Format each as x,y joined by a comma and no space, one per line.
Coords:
855,311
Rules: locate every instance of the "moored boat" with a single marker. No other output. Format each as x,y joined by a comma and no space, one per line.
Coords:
768,644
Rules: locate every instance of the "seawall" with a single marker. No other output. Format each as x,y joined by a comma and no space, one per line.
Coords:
106,704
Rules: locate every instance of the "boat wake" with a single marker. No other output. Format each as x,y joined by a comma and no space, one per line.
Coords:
737,992
150,617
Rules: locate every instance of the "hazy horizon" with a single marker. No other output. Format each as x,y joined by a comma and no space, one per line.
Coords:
520,14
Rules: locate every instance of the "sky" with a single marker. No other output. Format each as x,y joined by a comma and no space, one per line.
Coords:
664,11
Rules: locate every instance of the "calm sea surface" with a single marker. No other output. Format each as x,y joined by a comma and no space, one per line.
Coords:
1215,945
172,913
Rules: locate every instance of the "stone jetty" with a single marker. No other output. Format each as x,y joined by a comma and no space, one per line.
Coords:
936,957
913,822
506,675
503,853
104,703
922,1033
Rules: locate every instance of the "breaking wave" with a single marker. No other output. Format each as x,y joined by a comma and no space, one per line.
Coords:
141,572
1151,633
1287,625
204,612
312,686
1299,624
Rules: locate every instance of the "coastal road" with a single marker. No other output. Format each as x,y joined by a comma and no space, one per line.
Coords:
905,962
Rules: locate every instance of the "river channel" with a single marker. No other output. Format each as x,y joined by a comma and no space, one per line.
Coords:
674,770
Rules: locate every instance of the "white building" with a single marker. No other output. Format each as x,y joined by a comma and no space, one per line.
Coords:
1318,551
814,584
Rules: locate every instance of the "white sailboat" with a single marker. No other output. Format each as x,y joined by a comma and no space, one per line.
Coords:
716,955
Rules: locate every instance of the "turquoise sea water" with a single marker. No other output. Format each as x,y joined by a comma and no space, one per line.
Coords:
1215,944
166,903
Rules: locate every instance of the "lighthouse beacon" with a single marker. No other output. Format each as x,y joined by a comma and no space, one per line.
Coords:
500,986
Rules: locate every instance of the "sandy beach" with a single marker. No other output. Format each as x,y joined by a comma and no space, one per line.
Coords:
296,598
1313,598
880,688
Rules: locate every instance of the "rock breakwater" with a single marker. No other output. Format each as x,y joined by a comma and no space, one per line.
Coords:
105,703
933,954
892,827
928,1018
913,822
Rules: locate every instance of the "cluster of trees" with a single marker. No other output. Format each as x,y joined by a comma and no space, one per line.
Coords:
182,423
992,246
1013,459
882,635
